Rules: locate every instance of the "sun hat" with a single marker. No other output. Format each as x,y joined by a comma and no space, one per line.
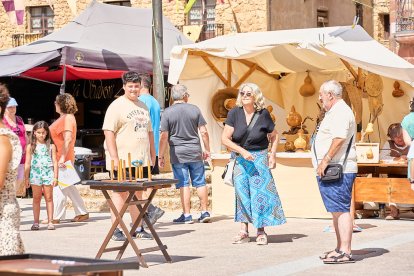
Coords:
12,102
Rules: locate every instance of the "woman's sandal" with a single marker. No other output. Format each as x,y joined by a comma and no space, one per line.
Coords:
326,254
35,227
242,237
261,239
50,226
342,258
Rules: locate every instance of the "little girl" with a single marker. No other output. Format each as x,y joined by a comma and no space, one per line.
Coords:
41,171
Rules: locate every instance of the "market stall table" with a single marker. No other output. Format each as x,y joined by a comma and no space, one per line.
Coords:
131,187
37,264
382,189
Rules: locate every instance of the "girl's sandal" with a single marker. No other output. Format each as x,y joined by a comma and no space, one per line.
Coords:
342,258
242,237
261,239
326,254
35,227
50,226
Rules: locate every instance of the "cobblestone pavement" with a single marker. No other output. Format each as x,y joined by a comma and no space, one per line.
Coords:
382,248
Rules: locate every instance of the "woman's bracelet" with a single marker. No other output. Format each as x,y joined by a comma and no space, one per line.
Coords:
272,153
328,157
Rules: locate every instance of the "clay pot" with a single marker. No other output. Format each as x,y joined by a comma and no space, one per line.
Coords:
300,142
270,109
307,89
289,146
229,103
370,154
293,119
398,92
369,129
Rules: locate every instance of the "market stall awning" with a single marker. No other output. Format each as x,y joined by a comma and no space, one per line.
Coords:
55,74
103,36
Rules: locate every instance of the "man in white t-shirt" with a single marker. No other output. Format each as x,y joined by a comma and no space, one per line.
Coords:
334,144
127,128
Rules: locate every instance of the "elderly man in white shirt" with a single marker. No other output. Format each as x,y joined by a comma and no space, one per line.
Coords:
334,144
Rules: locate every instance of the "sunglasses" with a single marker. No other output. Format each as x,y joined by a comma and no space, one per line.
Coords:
247,94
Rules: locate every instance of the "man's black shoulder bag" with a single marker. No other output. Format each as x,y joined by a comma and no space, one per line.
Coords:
333,172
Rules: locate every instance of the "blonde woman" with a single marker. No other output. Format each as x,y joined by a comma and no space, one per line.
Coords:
257,200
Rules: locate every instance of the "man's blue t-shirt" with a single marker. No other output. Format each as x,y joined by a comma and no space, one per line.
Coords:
155,114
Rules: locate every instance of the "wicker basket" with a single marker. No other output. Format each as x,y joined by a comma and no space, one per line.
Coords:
218,107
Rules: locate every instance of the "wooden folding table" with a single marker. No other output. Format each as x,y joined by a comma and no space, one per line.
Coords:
131,187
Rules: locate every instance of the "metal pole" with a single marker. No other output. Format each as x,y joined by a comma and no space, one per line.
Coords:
157,53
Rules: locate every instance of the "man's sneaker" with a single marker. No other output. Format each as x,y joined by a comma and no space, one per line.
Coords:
184,219
205,217
143,235
118,235
154,216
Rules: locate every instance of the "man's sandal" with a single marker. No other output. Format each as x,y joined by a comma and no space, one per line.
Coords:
326,254
342,258
261,239
242,237
35,227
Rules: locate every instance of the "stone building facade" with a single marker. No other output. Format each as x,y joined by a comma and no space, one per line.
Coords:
234,15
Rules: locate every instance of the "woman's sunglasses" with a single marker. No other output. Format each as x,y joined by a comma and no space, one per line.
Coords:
247,94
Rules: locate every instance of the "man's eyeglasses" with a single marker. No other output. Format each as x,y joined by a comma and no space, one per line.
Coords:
247,94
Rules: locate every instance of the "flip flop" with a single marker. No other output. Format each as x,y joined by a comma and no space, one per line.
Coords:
326,254
50,226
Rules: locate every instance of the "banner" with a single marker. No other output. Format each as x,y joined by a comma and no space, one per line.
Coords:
14,10
189,5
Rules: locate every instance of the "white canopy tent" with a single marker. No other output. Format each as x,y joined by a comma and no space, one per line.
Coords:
262,57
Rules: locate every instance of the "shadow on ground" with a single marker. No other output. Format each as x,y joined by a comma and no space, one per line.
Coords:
366,253
284,238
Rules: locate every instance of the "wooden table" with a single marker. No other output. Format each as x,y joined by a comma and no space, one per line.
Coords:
142,205
383,168
382,189
38,264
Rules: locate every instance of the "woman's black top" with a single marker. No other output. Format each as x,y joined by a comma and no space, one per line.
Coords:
257,139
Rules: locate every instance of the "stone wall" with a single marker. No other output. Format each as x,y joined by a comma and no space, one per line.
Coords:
380,8
242,16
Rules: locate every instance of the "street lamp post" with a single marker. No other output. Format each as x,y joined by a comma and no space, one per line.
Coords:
157,53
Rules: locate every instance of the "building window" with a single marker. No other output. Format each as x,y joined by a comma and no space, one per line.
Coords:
322,18
384,31
359,12
203,13
119,3
41,20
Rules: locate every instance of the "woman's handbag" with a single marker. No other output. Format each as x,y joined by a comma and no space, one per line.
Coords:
228,171
333,172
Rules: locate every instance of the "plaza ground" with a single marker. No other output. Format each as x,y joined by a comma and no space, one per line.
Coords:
382,248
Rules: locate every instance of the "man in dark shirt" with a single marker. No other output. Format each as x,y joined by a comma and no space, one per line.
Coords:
180,124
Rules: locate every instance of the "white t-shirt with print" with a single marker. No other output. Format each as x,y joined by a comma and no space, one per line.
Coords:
131,123
339,122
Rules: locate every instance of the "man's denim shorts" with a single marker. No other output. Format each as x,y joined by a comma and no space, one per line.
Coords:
184,171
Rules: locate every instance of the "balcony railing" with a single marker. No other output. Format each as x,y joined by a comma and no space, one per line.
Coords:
208,30
405,15
25,38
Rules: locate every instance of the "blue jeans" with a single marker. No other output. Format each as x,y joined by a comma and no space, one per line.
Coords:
184,171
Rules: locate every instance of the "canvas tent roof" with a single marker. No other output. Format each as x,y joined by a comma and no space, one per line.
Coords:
319,49
103,36
230,60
